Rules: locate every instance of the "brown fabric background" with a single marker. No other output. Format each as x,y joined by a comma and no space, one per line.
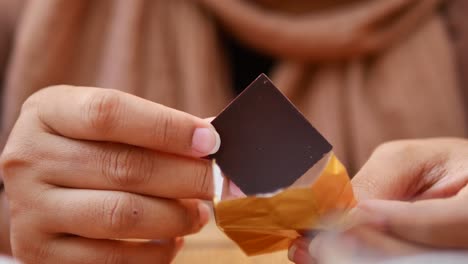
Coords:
363,72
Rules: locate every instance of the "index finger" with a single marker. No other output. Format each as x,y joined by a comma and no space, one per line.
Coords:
108,115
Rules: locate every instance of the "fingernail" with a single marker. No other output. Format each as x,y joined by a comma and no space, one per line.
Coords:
206,141
292,252
204,213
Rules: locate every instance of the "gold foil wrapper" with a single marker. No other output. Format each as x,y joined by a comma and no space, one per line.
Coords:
260,224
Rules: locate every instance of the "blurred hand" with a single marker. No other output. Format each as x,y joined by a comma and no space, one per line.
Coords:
84,167
412,197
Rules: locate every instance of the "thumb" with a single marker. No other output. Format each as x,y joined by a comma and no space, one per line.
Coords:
434,222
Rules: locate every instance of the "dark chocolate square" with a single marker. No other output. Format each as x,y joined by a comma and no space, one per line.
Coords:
266,143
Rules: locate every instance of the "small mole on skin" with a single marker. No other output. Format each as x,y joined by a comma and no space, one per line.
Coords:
135,212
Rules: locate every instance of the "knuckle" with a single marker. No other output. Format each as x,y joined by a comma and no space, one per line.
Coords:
164,131
27,252
128,166
122,213
202,183
34,101
114,255
14,158
45,251
9,161
31,102
101,109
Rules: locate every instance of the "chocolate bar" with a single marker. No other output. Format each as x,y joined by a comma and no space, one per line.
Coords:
266,143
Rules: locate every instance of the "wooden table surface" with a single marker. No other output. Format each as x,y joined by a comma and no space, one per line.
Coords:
212,246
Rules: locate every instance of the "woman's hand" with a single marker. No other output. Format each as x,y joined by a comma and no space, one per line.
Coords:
84,167
413,195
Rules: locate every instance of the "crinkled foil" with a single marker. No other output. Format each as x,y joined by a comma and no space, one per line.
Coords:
260,225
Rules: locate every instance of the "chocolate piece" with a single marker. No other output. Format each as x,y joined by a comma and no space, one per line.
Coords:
266,143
